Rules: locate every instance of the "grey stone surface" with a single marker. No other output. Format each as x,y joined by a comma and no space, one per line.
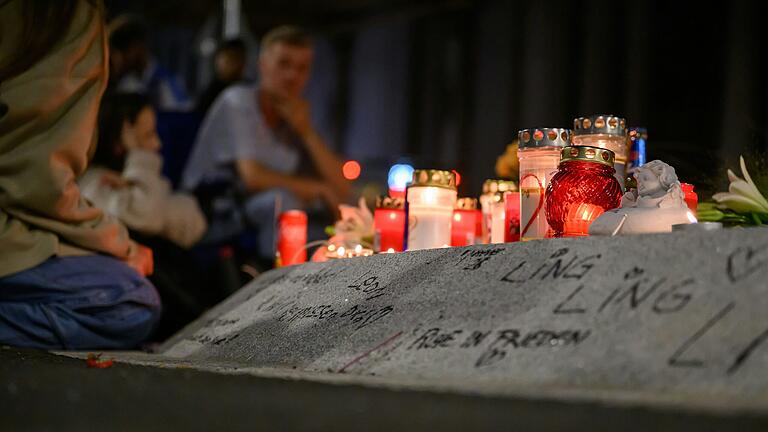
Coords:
681,316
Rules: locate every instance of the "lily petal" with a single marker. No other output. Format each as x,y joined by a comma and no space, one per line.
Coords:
733,177
759,197
740,187
737,203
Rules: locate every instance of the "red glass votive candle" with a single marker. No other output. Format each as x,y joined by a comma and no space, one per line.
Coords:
478,226
583,187
464,226
291,238
691,197
389,224
579,218
512,205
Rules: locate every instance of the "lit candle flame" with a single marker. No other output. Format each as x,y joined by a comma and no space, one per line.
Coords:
341,251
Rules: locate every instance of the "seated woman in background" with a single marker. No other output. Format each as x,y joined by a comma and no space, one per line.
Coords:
70,276
125,180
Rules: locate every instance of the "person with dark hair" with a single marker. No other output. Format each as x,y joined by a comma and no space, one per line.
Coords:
133,70
70,276
229,67
125,180
260,140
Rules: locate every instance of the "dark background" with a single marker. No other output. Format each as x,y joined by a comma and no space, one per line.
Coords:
448,83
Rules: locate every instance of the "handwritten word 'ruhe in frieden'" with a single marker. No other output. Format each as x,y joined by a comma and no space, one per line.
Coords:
500,342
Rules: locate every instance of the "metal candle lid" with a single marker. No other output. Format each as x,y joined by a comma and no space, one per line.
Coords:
492,186
387,202
600,124
466,203
431,177
544,137
587,154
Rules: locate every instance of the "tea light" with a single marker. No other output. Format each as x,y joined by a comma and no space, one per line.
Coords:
334,252
431,199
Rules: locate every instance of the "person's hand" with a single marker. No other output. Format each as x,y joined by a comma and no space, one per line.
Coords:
296,113
128,136
314,190
141,260
113,180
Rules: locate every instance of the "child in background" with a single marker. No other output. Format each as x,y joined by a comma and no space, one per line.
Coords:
125,176
125,180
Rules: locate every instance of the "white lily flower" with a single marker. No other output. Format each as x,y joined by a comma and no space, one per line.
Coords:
355,223
742,196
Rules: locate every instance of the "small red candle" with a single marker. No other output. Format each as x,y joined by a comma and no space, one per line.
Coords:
389,224
583,187
292,238
464,225
691,197
512,204
478,226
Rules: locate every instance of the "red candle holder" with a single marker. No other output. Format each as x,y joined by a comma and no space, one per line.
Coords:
582,189
464,225
691,197
478,226
389,224
512,205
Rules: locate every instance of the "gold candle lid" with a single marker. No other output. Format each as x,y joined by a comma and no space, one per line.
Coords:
466,203
492,186
587,154
387,202
431,177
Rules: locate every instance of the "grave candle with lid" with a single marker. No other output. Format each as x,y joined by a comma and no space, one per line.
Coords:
431,199
582,189
539,155
492,202
463,225
389,224
605,131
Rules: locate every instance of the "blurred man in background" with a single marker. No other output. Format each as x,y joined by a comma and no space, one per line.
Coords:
259,142
229,68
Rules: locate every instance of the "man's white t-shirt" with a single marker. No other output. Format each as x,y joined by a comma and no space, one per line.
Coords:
234,129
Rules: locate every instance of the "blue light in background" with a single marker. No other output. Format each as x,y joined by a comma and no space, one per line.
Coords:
399,176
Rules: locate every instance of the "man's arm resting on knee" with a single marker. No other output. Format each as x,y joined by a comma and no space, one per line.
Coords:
257,178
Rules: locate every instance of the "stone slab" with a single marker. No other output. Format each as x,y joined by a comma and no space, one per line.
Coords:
677,315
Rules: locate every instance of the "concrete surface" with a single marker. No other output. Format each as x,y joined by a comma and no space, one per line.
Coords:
45,392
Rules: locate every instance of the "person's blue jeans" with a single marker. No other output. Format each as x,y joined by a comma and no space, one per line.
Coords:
77,303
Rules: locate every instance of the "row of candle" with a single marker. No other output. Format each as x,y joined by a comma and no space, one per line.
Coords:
598,148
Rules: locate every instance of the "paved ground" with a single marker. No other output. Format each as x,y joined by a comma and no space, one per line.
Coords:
41,391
